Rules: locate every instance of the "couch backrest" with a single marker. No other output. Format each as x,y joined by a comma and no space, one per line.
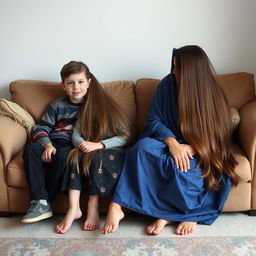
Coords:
238,88
35,96
144,90
123,93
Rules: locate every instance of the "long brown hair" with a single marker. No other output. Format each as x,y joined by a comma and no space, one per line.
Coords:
99,116
204,115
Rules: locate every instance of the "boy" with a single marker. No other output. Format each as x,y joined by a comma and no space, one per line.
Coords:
52,143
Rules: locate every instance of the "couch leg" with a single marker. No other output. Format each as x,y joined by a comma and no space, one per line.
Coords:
5,214
252,213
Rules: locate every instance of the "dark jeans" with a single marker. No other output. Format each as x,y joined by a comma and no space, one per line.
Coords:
45,185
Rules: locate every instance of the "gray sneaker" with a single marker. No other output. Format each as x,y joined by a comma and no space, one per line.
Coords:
36,212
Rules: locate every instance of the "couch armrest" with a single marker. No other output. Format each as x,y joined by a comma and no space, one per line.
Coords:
247,132
247,141
13,138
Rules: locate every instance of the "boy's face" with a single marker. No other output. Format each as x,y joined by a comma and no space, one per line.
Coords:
76,86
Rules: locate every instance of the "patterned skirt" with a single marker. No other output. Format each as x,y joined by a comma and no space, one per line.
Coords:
104,172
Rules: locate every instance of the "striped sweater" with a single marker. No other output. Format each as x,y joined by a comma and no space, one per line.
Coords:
58,122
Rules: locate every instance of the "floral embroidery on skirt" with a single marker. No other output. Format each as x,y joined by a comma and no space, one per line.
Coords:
104,172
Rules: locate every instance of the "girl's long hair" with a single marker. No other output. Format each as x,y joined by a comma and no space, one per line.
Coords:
99,116
204,115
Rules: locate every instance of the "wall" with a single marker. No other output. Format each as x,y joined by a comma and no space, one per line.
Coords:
121,39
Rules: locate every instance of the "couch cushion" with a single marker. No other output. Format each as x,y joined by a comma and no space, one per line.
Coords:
35,96
144,90
243,169
17,113
123,93
16,175
15,172
235,117
238,87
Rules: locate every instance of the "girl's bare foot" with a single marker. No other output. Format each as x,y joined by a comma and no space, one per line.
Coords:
65,224
115,214
157,227
92,220
185,228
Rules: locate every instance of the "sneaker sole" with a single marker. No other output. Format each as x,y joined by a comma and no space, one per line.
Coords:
41,217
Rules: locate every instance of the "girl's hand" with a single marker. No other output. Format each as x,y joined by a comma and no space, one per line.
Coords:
49,150
88,146
190,150
181,153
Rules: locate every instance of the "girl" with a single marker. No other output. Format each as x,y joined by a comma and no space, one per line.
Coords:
99,136
182,168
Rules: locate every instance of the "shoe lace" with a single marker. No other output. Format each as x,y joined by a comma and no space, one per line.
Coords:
34,206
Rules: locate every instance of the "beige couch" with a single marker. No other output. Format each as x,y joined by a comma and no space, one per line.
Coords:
134,99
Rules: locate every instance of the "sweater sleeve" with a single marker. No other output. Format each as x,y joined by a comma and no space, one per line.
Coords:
114,142
77,138
41,131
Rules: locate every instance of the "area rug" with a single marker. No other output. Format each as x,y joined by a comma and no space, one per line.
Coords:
194,246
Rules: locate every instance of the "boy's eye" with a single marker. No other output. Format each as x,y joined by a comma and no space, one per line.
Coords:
82,81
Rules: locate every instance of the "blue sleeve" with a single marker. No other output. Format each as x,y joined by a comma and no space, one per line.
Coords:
160,119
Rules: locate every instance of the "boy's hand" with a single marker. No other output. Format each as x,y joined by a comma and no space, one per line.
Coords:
88,146
49,150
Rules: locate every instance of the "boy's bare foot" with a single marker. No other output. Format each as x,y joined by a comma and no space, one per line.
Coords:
92,219
185,228
157,227
65,224
115,214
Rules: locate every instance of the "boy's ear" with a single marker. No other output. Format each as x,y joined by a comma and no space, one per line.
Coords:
89,80
63,86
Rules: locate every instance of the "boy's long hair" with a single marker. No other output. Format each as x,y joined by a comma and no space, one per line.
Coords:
204,115
99,116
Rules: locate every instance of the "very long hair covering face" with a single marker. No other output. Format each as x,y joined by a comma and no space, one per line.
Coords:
205,116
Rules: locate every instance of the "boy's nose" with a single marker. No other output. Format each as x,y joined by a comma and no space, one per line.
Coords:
76,84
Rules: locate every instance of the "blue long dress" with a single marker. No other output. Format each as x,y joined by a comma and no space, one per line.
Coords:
151,184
